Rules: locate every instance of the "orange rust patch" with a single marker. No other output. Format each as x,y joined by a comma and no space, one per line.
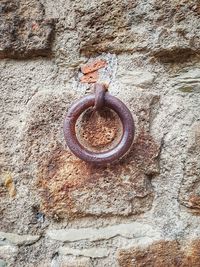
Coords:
162,254
60,175
93,66
70,187
90,77
98,129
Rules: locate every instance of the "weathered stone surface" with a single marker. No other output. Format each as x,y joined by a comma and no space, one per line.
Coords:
188,81
98,28
162,254
45,263
146,27
135,78
71,187
24,30
19,239
7,250
78,189
40,254
90,252
71,261
131,230
75,188
3,263
9,184
50,182
189,194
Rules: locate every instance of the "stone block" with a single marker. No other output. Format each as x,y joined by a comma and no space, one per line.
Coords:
139,26
19,239
73,188
129,230
24,30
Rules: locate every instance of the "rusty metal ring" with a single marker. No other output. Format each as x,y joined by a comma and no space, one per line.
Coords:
102,157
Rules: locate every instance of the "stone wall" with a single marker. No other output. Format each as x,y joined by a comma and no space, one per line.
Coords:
58,211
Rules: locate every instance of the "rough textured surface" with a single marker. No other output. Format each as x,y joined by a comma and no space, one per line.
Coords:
7,250
90,253
24,31
188,81
100,129
147,203
162,254
75,188
125,230
190,191
19,239
93,190
72,261
157,27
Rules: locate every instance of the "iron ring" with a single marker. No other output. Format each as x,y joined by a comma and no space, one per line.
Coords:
102,157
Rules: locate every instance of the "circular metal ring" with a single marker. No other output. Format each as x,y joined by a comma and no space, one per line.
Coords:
102,157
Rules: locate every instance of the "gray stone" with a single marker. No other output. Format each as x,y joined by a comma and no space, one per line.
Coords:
71,261
188,81
90,252
136,78
131,230
19,239
3,263
189,194
147,26
7,250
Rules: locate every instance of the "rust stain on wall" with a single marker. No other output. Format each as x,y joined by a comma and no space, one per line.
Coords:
72,187
99,129
162,254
